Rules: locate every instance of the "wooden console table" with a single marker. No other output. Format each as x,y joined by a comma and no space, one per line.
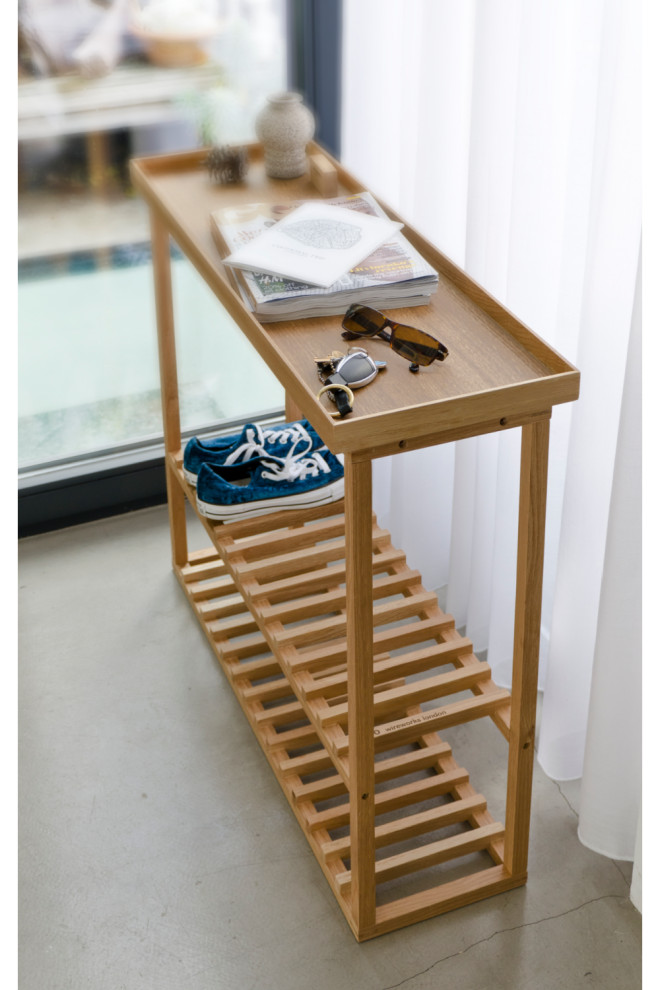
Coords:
345,666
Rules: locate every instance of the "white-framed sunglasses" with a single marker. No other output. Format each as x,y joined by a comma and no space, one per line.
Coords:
341,373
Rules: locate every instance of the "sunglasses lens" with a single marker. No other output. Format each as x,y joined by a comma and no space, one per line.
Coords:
363,321
414,344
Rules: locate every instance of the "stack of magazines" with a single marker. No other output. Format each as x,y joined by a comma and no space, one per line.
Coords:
393,274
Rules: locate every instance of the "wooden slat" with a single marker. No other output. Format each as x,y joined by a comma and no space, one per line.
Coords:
415,693
269,691
412,826
325,577
389,639
328,686
296,561
291,712
321,790
407,763
238,626
279,541
204,571
408,728
230,532
221,587
394,798
397,766
334,600
393,611
433,854
249,647
441,898
210,611
303,735
307,763
292,563
255,669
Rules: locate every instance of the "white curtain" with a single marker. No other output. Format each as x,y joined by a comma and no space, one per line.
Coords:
509,133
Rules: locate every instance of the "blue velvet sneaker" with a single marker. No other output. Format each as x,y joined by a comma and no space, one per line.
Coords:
267,484
252,441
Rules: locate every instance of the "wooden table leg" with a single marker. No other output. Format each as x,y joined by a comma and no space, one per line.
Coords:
292,412
98,160
160,247
359,616
527,631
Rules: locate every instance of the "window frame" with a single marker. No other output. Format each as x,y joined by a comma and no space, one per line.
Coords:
314,64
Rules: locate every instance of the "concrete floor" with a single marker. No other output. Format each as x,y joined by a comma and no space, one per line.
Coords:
157,850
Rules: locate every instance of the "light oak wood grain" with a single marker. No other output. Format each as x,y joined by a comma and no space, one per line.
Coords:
497,367
344,664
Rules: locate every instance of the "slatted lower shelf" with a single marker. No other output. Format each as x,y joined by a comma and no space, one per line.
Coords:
271,598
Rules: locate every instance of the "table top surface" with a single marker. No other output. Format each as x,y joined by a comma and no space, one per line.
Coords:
132,81
498,370
133,94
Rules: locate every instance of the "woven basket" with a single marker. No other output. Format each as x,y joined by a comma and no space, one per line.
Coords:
172,51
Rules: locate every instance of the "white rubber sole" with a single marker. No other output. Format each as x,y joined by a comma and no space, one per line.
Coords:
317,496
192,478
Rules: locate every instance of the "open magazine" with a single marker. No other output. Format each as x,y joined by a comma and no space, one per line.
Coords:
315,243
395,274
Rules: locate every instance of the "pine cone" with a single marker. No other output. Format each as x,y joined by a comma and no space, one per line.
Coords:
226,164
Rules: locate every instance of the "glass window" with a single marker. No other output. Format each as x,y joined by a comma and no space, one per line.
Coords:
89,98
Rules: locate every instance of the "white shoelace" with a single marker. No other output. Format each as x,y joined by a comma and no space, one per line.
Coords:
257,439
285,434
296,466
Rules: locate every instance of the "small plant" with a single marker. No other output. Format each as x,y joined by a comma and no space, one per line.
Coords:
202,108
214,112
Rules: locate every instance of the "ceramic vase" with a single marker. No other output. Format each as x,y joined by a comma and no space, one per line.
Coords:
284,127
